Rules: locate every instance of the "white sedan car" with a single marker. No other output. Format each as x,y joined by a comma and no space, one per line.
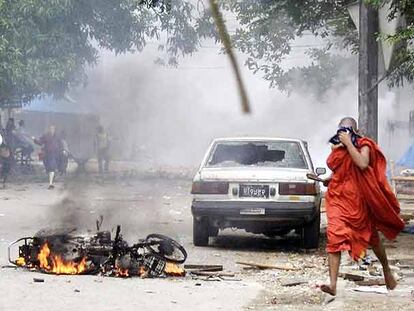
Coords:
256,184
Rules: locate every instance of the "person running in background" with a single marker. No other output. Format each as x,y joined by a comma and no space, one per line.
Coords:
52,147
102,149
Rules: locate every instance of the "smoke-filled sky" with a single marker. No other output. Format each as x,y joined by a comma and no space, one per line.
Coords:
170,115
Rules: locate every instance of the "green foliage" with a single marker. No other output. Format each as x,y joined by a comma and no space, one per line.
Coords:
45,45
268,31
326,71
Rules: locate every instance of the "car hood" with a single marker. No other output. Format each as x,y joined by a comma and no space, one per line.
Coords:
257,174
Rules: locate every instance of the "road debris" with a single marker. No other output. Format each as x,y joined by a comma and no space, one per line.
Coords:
352,277
374,271
210,268
371,289
265,266
212,274
38,280
293,282
373,282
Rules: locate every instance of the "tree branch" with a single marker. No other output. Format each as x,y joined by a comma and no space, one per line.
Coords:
225,38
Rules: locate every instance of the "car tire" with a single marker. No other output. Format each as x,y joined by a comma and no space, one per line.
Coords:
311,233
200,231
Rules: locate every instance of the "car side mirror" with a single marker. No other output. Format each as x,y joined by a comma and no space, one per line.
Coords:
320,171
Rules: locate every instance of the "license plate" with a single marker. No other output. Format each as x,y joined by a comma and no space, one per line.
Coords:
253,211
254,191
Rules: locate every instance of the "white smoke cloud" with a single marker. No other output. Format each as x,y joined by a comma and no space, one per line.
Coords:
170,115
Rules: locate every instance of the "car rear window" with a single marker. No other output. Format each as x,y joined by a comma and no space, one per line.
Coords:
286,154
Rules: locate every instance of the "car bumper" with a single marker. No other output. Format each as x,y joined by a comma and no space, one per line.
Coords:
280,212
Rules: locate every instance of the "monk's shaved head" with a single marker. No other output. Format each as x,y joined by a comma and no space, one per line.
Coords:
348,122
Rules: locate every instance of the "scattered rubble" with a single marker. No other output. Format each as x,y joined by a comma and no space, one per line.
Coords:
371,289
373,282
210,268
265,266
212,274
288,282
351,276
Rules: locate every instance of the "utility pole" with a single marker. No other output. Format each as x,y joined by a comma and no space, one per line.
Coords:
368,70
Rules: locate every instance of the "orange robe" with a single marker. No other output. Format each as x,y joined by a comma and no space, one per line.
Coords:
359,203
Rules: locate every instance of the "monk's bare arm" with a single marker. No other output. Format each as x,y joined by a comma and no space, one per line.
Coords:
360,158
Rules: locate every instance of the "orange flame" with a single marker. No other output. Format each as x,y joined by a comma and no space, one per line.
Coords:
20,261
173,269
55,264
122,272
142,272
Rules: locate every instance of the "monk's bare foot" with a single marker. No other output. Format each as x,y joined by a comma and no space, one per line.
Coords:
390,280
328,289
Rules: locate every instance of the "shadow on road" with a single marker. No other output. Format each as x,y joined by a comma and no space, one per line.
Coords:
246,242
254,242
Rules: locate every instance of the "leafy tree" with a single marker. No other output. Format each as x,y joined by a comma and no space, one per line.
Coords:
268,30
46,44
402,68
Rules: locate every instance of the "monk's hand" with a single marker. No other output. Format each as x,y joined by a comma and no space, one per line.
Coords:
345,138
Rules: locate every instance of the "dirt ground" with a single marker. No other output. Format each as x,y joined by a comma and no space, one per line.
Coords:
144,203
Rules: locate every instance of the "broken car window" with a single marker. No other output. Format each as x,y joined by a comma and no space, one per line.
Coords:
273,154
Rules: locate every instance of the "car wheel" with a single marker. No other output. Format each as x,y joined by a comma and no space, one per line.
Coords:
311,233
200,231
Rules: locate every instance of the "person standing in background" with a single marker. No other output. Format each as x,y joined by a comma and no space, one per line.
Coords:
5,160
9,134
101,145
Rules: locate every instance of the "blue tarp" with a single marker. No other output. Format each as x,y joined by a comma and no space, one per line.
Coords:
407,160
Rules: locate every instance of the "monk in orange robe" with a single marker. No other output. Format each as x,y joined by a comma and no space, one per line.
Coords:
359,203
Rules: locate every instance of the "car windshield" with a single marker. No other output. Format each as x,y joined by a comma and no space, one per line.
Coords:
287,154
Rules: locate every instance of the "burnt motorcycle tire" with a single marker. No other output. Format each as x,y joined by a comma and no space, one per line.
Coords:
167,248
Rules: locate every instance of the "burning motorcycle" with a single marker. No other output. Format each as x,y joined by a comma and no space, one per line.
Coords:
65,251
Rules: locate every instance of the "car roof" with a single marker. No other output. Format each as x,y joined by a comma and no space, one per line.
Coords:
246,138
